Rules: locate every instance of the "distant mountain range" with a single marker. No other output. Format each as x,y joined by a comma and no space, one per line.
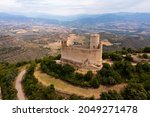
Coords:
131,24
112,18
21,18
82,19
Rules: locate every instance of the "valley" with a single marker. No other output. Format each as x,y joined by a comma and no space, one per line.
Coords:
23,39
37,42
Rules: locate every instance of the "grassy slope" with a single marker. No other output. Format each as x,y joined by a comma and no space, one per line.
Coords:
70,89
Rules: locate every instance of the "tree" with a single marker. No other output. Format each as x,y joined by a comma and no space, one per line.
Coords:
106,65
58,57
95,83
145,56
34,90
74,97
148,95
49,93
142,67
129,50
88,76
134,91
110,95
8,73
147,85
106,55
79,76
111,80
146,50
18,64
31,69
124,68
109,76
128,58
67,69
50,89
116,57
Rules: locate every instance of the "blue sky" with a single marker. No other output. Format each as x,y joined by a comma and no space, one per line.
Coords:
73,7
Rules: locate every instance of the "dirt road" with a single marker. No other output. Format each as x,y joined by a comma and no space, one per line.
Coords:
18,85
67,88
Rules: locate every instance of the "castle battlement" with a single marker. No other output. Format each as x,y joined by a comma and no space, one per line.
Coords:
83,56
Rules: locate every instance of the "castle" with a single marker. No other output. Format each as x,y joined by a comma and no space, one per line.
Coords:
89,56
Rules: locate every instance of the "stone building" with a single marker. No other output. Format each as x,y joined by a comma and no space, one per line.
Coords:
83,56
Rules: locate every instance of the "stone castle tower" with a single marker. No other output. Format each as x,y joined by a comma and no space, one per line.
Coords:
83,56
94,41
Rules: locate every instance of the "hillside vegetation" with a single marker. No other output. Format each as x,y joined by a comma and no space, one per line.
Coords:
34,90
121,71
8,73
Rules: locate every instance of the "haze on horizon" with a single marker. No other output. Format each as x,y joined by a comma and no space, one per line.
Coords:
72,7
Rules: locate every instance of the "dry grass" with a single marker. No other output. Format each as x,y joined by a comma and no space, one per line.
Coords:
70,89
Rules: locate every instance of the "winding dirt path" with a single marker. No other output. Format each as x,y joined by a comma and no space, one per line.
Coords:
67,88
18,85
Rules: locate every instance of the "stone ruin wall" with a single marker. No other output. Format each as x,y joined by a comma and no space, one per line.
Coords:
82,56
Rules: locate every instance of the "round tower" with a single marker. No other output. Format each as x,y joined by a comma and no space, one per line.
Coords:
94,41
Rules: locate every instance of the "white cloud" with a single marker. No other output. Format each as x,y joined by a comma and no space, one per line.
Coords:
9,5
73,7
143,7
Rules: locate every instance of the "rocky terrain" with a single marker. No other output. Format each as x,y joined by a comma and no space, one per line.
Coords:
14,50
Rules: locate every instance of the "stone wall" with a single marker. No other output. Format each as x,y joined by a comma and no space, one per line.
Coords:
82,56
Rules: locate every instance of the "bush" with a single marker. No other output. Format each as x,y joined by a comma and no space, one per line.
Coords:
128,58
147,85
58,57
74,97
67,72
124,68
145,56
109,76
110,95
106,55
134,91
116,57
8,74
22,63
36,91
88,76
95,83
79,76
67,69
142,67
146,50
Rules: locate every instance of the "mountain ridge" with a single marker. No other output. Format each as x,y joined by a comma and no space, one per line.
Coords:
101,17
